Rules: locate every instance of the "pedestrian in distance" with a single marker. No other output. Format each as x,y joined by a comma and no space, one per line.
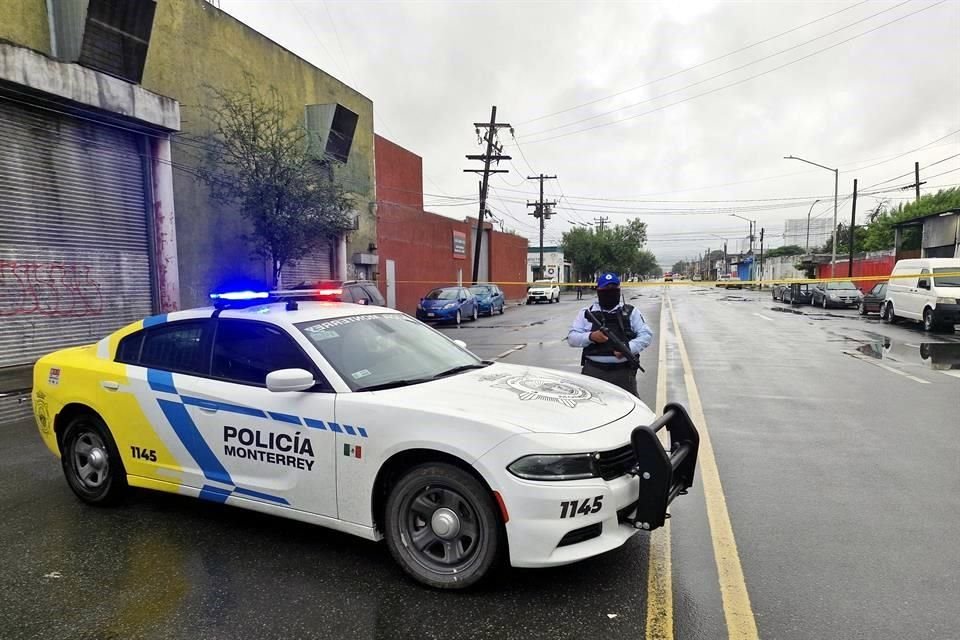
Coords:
606,321
579,291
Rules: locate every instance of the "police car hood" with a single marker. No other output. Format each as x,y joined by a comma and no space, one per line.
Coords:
532,398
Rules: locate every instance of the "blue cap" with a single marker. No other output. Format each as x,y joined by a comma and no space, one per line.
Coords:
608,279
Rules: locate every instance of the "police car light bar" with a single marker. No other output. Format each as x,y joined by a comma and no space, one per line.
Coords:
235,296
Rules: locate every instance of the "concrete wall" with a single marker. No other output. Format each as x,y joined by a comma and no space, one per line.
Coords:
781,268
24,22
194,44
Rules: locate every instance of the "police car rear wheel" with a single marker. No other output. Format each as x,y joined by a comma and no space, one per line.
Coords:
442,527
91,462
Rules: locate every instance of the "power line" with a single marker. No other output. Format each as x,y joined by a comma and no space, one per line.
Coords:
696,66
732,84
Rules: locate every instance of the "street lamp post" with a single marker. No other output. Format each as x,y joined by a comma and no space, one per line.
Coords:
717,274
753,224
836,186
808,224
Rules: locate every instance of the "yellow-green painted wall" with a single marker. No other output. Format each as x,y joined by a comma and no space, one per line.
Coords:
194,44
24,22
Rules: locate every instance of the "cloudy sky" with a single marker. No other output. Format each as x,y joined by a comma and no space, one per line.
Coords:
676,112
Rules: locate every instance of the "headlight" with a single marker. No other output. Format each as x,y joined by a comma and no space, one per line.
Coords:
833,296
577,466
419,307
946,301
450,305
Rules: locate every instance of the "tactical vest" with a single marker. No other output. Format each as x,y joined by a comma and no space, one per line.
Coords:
617,322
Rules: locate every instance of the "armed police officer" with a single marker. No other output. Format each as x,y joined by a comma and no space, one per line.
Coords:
593,326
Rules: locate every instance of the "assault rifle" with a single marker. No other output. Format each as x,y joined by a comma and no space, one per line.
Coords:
617,343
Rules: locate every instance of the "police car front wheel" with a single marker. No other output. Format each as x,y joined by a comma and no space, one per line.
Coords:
442,526
91,461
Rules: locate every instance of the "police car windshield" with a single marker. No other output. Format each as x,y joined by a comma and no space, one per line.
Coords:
384,350
442,294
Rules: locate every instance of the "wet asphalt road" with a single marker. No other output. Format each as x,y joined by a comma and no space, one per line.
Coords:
835,442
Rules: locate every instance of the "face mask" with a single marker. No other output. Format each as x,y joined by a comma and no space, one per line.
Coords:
608,298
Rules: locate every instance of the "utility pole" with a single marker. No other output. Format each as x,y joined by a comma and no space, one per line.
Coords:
761,257
541,212
916,181
726,269
601,222
853,227
487,158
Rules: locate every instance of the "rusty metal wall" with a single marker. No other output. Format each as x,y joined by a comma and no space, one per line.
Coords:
74,250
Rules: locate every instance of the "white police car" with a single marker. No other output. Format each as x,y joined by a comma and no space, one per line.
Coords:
364,420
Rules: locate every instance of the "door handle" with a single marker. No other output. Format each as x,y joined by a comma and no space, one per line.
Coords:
110,385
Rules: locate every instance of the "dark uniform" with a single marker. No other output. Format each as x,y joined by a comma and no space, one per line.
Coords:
599,358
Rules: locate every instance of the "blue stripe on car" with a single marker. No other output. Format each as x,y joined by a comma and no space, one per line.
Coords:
214,494
193,441
153,321
160,381
284,417
315,424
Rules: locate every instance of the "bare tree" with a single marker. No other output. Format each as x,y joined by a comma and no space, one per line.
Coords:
258,158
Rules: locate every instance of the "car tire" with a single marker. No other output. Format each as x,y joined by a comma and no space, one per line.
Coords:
928,322
459,318
826,305
91,462
476,314
890,316
442,527
501,309
862,309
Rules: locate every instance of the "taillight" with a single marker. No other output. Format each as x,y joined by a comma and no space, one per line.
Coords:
331,295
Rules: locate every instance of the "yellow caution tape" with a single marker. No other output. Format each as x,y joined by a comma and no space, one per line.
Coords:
698,283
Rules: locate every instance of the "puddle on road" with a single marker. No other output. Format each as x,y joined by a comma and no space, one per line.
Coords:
938,356
787,310
734,299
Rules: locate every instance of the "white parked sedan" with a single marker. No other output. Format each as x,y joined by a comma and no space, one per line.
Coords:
543,291
360,419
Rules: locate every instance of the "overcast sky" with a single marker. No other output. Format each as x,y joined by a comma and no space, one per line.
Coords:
432,69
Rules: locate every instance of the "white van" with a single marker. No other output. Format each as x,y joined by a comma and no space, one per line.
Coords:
924,290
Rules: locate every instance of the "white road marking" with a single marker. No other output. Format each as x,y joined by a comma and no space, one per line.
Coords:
955,374
760,315
509,351
885,367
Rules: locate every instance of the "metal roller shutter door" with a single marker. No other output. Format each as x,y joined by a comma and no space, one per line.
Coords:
74,245
318,265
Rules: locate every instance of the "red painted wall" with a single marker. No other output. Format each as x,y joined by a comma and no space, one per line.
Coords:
421,243
508,263
881,267
399,174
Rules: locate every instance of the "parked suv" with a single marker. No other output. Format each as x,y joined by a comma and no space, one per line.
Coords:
356,291
543,291
922,290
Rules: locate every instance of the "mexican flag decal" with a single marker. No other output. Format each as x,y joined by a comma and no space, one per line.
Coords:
352,451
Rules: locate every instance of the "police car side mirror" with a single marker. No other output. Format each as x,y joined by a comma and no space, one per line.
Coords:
290,380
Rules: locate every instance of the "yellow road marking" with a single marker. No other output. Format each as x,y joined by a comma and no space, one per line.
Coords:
733,588
659,573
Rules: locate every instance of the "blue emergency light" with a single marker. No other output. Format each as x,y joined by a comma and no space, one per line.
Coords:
235,296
